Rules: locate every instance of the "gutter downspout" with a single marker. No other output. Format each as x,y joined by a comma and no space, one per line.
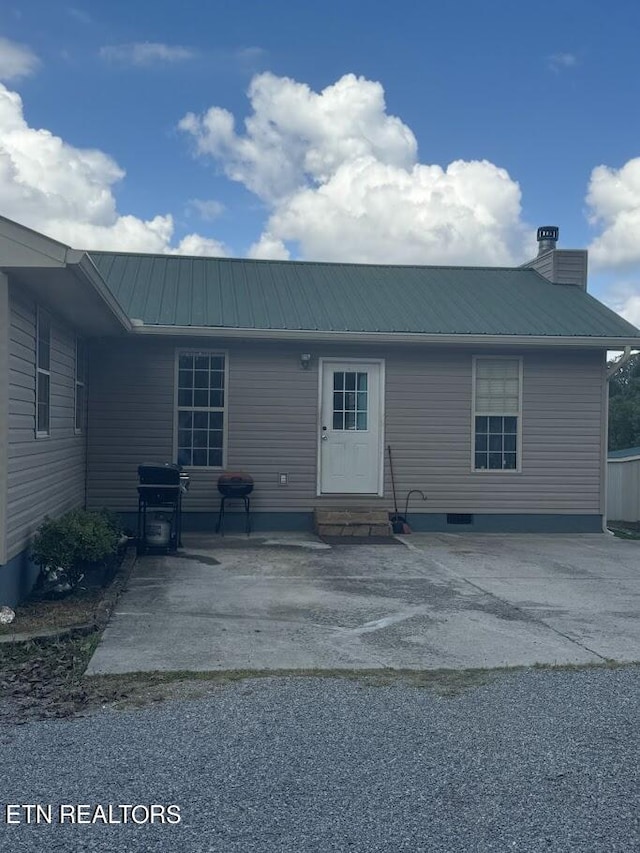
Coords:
619,364
611,372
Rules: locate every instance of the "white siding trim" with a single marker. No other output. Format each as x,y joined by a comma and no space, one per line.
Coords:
381,416
518,468
225,414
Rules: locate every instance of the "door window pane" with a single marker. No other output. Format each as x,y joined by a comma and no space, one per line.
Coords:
350,406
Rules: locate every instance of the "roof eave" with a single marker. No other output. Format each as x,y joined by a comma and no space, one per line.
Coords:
385,337
89,270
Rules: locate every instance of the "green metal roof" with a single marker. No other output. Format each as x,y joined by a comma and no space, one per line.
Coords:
296,295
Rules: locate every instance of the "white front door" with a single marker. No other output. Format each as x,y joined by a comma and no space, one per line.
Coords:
350,427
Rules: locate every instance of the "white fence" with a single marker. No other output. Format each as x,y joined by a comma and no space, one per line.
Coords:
623,489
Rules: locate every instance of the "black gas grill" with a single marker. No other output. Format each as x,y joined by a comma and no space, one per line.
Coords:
160,489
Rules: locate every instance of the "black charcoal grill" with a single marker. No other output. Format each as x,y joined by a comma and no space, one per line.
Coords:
235,485
160,489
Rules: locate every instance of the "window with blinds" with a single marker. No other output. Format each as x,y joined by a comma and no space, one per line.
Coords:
496,410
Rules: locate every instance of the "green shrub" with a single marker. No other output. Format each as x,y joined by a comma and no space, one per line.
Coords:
113,520
65,546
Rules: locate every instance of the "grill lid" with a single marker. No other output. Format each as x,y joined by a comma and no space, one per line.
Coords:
159,474
235,483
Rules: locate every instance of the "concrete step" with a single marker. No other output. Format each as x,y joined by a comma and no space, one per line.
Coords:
352,522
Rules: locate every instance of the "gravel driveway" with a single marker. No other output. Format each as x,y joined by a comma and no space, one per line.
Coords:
532,761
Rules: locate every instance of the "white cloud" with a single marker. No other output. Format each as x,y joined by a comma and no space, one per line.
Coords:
16,60
196,244
206,208
146,53
340,178
614,201
624,298
66,192
269,248
558,61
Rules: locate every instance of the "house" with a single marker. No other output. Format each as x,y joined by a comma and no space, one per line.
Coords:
489,384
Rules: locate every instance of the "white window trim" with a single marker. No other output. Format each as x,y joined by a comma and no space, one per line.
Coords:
39,370
225,409
79,430
500,471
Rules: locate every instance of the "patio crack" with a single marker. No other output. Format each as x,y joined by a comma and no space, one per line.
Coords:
532,618
505,602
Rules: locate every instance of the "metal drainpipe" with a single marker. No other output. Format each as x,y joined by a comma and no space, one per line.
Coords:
619,364
610,373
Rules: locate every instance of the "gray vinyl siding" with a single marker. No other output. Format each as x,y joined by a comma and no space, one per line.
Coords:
46,476
563,266
571,267
543,264
272,410
4,409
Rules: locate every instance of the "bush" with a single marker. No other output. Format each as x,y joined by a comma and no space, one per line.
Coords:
112,519
64,547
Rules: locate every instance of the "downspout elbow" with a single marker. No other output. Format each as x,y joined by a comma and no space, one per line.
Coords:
619,364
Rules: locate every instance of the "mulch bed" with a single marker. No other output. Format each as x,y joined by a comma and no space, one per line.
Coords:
45,651
43,680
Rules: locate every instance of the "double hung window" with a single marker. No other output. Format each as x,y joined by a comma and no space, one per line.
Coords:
201,403
43,374
497,413
81,384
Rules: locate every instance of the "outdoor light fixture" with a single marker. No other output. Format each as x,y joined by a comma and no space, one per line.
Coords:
305,360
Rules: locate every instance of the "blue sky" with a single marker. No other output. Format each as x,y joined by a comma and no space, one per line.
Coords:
527,99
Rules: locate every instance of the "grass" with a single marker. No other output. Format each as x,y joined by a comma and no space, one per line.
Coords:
140,687
42,679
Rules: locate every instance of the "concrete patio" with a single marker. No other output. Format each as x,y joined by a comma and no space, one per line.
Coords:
429,601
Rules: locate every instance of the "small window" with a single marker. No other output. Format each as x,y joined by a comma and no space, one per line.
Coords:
350,400
496,403
43,374
81,385
201,407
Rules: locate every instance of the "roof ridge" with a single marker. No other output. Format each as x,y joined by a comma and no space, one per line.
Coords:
166,256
